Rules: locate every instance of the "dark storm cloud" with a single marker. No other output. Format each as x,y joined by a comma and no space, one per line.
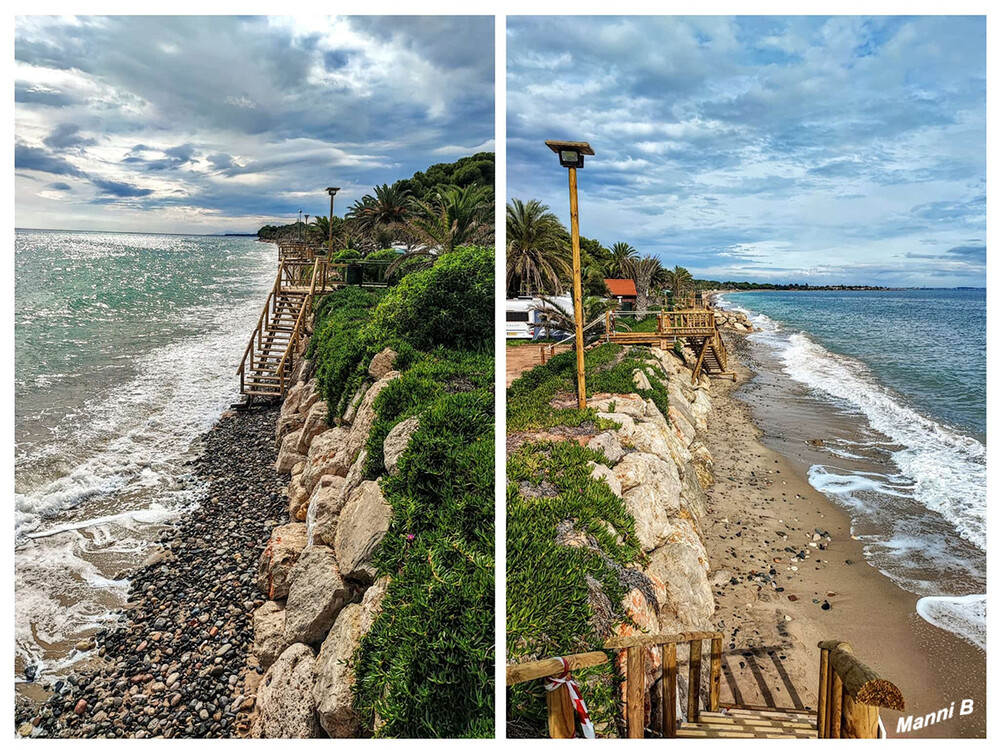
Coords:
810,140
179,105
39,160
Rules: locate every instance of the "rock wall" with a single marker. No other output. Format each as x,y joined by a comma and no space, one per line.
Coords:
661,470
316,572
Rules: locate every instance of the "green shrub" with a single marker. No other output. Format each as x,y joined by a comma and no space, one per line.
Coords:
346,255
449,304
609,369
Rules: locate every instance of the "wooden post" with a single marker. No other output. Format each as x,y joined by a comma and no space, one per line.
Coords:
607,325
836,699
669,690
715,687
823,707
635,692
577,289
561,716
694,682
859,721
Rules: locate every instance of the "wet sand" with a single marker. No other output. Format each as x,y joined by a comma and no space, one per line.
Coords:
773,581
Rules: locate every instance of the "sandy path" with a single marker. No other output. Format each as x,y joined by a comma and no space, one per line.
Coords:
762,514
525,357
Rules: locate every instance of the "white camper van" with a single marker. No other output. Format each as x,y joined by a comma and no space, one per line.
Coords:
523,322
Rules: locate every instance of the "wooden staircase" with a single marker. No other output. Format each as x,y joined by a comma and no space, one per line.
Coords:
850,694
748,723
697,327
265,371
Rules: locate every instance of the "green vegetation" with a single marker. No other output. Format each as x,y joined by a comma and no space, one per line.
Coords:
426,666
551,496
609,369
550,492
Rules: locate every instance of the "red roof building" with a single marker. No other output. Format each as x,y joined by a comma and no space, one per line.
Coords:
622,288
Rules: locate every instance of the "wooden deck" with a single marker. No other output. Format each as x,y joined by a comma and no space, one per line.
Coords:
698,328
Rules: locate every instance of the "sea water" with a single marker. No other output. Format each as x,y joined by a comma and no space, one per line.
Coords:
907,368
126,349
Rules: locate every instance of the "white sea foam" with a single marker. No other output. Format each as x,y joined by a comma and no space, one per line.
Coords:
958,614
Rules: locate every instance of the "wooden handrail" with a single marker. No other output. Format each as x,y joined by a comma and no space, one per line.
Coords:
851,694
299,323
536,670
260,322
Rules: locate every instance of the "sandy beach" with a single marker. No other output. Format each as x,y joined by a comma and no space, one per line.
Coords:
786,574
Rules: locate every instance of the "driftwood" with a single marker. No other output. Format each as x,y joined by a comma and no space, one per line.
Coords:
861,682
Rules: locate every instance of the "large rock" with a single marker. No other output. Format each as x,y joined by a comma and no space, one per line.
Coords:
315,423
287,423
325,504
619,403
316,595
355,401
365,417
382,364
292,400
298,498
652,495
310,395
288,454
268,633
278,559
363,523
286,697
397,441
327,513
599,471
333,690
327,455
681,569
608,443
334,670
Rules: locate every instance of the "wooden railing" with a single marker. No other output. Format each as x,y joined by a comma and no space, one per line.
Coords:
247,362
851,694
561,718
288,360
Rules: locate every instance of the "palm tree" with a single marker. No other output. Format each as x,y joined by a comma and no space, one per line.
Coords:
642,272
622,254
537,255
455,217
678,280
380,216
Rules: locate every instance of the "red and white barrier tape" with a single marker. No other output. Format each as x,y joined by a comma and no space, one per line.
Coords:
554,683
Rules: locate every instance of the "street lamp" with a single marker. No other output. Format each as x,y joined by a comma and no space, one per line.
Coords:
299,225
332,191
570,156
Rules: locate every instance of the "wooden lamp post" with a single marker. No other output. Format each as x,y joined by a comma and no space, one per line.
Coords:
570,156
332,191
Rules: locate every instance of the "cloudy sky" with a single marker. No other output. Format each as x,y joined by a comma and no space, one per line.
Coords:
819,150
224,124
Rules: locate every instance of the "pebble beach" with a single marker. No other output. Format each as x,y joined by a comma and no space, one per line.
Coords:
176,663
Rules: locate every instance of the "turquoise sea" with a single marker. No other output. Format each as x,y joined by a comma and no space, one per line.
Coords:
906,371
126,347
